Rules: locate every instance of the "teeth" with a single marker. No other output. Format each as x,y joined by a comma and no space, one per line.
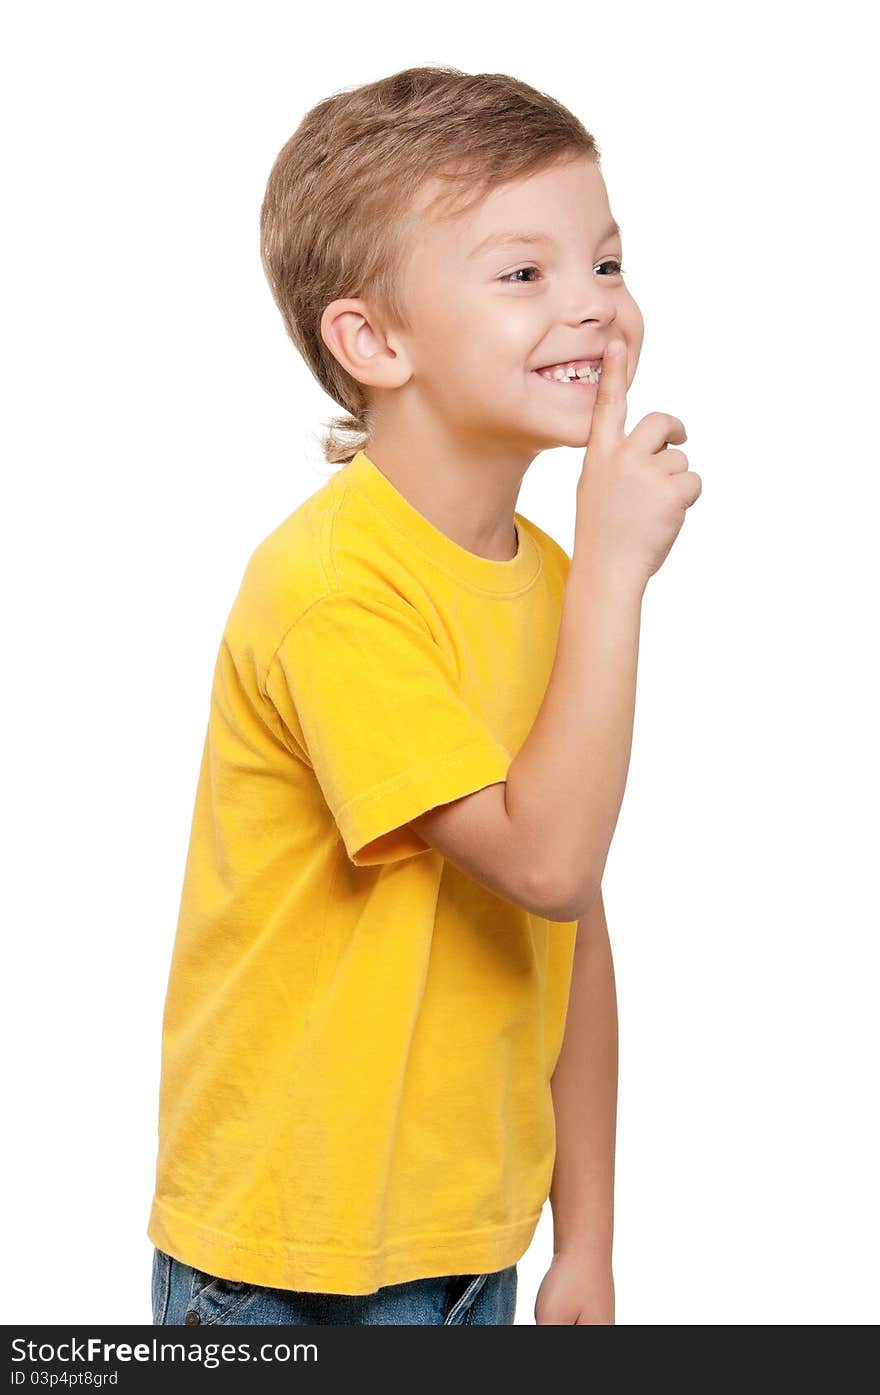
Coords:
565,372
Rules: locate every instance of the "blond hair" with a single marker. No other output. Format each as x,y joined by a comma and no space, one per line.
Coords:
337,218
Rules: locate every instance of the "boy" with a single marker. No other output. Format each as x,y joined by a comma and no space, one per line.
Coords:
418,741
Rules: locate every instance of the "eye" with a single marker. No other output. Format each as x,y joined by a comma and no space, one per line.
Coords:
518,272
617,266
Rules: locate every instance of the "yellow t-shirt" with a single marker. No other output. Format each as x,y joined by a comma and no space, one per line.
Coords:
358,1038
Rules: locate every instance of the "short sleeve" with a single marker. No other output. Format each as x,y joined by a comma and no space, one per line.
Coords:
376,703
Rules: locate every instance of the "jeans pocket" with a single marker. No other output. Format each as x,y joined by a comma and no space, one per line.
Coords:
217,1300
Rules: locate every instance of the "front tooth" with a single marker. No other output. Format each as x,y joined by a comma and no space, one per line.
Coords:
560,374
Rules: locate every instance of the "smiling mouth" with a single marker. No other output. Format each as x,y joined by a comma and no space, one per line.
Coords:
585,372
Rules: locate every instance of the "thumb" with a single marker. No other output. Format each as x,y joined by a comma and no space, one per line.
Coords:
609,409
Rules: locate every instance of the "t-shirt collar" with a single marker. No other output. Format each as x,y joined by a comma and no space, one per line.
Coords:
486,574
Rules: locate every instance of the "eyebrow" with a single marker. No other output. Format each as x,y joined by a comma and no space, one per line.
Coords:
516,235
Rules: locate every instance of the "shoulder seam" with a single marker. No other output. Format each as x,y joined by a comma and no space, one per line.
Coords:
338,593
327,595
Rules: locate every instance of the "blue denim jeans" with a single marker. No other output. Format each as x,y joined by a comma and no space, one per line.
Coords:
185,1296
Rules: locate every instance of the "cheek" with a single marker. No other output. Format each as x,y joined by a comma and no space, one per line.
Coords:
517,328
482,339
436,316
635,326
498,318
437,342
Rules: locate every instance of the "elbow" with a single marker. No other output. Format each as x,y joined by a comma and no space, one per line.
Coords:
564,898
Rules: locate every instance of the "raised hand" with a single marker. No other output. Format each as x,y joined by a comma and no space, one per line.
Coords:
633,492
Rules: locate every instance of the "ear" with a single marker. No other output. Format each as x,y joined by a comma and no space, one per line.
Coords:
356,338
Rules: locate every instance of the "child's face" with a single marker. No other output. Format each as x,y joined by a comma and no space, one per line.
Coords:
481,324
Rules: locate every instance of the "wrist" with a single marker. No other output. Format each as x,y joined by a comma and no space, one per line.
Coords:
592,1255
590,1237
600,572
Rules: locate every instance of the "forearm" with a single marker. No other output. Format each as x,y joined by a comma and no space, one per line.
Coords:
565,785
584,1088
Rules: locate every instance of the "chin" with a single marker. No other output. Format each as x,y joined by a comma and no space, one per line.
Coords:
575,435
576,438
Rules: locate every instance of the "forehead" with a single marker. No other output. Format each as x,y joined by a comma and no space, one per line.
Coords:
567,197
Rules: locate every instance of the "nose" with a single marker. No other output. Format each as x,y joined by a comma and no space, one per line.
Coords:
597,315
590,304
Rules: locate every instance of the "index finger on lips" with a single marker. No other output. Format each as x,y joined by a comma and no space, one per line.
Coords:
609,409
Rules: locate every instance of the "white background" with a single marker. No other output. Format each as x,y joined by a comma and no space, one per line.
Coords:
159,424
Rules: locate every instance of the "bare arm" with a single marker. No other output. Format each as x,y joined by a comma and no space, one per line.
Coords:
565,787
584,1088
